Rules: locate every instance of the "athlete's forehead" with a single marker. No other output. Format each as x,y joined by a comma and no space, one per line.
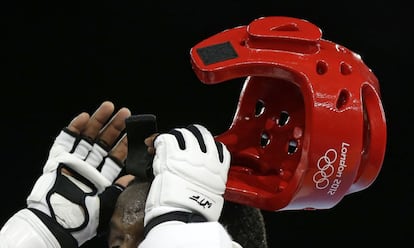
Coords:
123,233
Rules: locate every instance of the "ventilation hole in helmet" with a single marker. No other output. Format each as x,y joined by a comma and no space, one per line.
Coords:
345,68
264,139
321,67
342,99
284,118
243,43
260,108
292,146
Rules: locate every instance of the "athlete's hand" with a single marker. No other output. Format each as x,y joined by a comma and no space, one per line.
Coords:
84,174
190,170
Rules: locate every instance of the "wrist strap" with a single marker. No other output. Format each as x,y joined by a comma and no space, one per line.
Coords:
139,161
64,238
185,217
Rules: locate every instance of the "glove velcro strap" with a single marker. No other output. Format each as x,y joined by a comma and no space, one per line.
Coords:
64,238
185,217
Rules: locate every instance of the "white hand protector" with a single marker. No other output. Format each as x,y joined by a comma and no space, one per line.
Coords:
190,170
76,188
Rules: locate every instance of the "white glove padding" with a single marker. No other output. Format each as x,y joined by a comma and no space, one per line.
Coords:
83,199
190,170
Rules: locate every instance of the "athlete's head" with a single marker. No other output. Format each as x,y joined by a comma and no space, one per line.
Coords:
127,222
245,224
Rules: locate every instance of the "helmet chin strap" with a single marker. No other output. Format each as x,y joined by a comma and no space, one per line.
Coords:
309,126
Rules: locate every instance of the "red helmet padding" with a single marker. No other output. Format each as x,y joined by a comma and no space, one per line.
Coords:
309,126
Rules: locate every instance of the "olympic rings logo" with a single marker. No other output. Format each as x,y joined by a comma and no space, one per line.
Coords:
325,169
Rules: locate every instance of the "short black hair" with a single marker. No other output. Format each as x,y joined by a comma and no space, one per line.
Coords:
245,224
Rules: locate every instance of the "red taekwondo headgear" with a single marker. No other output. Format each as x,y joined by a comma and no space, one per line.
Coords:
309,126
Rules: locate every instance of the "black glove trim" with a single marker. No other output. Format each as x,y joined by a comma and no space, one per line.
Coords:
66,188
107,205
180,138
64,238
174,216
198,136
220,149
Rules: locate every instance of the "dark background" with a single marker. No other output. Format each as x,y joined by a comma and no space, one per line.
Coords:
63,58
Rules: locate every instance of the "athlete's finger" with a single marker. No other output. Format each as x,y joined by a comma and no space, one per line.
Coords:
120,150
78,124
98,120
149,142
113,129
